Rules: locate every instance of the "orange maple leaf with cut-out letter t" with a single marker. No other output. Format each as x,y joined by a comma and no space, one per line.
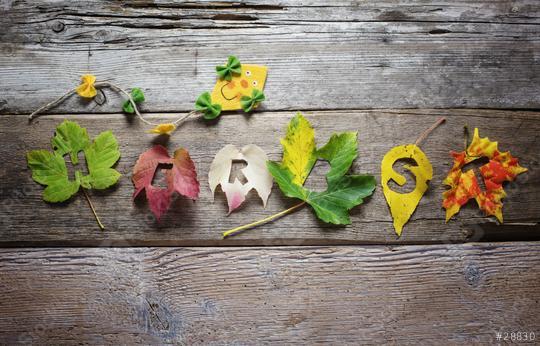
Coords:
463,185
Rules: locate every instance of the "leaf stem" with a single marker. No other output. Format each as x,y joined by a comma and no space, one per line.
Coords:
466,135
263,221
428,131
93,210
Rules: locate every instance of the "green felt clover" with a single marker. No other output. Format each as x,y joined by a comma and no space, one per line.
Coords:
233,67
138,96
204,105
250,102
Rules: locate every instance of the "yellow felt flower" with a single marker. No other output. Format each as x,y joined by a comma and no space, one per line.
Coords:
87,89
163,129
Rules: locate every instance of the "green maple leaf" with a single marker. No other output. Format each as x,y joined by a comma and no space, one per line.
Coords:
343,192
101,155
49,168
70,138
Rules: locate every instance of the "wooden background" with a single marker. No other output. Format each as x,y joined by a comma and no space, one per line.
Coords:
387,69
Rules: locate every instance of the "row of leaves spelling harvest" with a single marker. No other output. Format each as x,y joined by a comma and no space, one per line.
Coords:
344,191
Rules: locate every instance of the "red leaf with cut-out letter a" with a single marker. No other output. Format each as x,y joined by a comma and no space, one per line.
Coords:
182,178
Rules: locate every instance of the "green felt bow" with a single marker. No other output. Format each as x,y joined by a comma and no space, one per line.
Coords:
233,67
250,102
204,105
137,96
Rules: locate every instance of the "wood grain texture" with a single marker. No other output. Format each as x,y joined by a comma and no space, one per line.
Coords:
26,219
451,294
330,59
348,55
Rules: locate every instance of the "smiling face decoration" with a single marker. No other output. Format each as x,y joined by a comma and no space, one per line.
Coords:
228,93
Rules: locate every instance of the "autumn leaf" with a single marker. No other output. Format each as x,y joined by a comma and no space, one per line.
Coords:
299,149
256,174
403,205
49,168
70,138
100,156
182,178
464,186
343,191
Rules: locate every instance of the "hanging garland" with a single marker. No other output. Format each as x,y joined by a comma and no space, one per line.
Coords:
238,87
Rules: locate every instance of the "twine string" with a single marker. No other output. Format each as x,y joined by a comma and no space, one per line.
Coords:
116,88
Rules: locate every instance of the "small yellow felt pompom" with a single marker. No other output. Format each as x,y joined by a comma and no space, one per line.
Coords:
87,89
163,129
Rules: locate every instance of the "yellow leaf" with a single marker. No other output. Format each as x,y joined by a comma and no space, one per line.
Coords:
402,205
87,89
228,93
299,149
163,129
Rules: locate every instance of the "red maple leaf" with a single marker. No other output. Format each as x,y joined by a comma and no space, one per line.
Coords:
182,178
463,185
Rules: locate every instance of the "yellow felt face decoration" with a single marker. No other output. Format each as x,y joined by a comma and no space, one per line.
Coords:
228,93
402,205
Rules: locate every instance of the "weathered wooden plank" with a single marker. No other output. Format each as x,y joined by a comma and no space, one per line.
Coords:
26,219
270,12
337,57
452,294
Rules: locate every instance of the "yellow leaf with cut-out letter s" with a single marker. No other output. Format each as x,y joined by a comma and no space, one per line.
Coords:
403,205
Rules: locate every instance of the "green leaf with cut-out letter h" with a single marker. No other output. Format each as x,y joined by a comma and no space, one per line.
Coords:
49,168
